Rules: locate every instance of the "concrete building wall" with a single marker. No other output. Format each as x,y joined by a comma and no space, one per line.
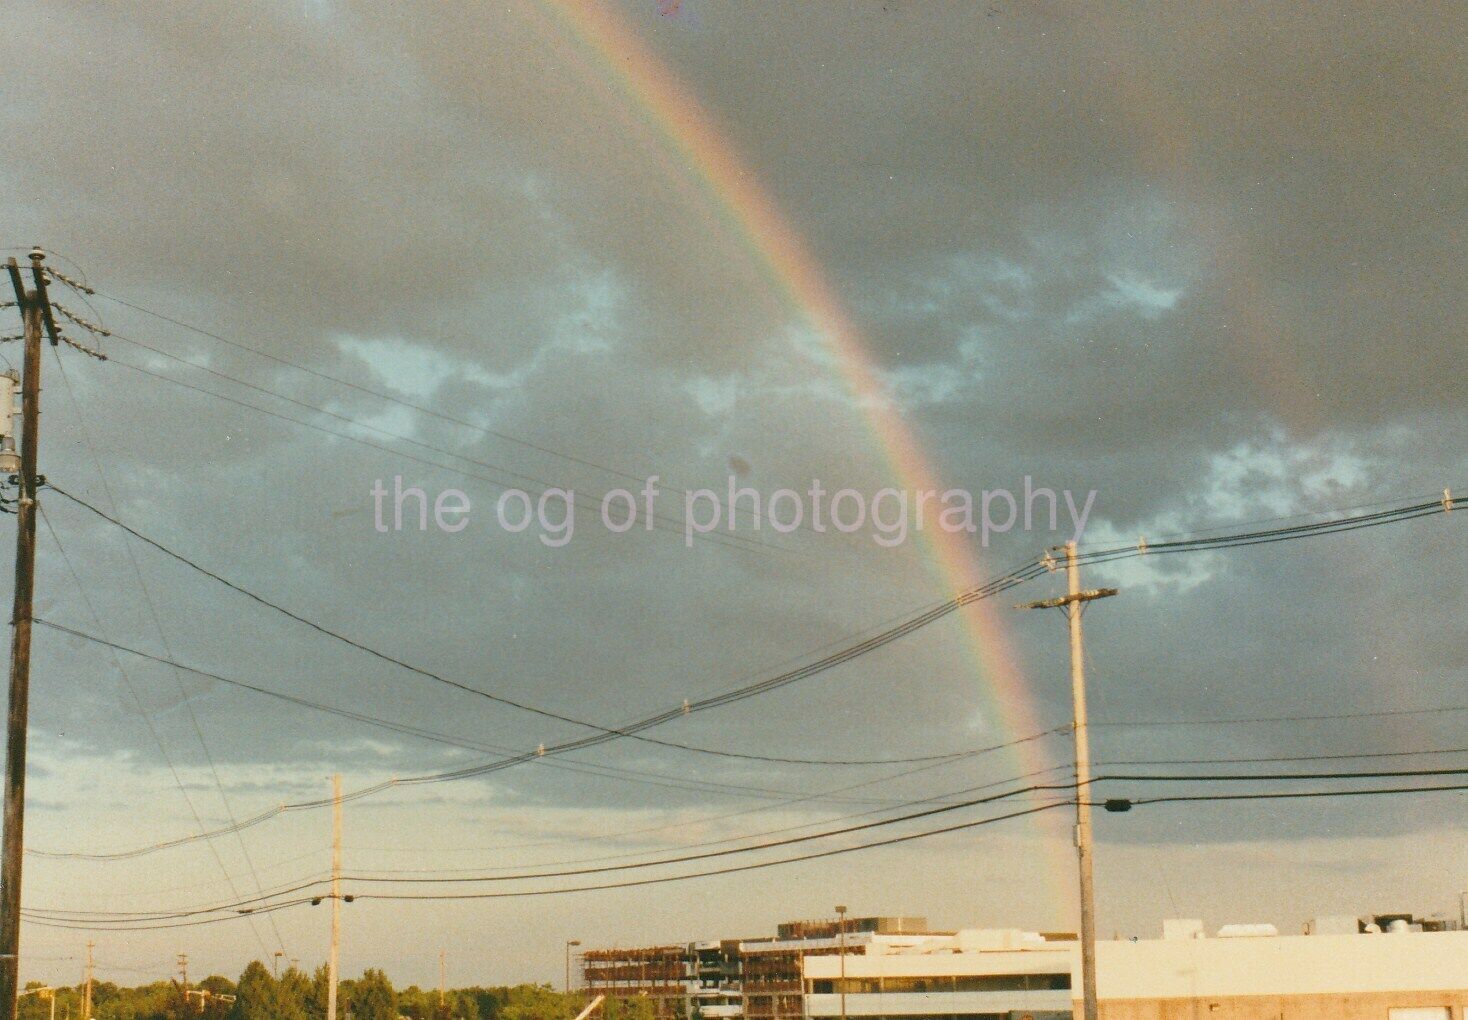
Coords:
1354,1006
947,977
940,1004
1285,967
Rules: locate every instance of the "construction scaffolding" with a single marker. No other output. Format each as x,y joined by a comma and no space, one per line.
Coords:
659,974
729,979
773,984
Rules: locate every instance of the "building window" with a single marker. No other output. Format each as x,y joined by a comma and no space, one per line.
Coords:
929,985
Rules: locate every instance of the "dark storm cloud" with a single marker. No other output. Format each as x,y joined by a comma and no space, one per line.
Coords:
1204,263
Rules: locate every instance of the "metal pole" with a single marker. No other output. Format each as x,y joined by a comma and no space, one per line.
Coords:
17,720
1083,778
841,911
336,898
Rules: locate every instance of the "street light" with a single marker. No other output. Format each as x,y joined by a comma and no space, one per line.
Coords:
569,944
841,913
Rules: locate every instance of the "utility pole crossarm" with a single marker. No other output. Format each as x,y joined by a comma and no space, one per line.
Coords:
1089,595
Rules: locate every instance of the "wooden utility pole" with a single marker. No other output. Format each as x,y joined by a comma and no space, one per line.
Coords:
34,311
442,979
87,997
1073,603
336,895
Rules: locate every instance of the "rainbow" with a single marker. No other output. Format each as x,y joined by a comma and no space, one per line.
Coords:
747,212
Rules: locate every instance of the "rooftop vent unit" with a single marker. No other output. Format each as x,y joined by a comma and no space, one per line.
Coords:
1247,931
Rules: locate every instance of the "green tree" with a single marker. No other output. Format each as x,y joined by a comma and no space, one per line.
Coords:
260,997
317,993
373,997
295,992
538,1002
636,1008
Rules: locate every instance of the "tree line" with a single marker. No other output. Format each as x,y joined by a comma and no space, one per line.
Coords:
295,995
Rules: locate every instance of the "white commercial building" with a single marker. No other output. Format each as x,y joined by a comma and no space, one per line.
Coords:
1245,972
971,974
1251,973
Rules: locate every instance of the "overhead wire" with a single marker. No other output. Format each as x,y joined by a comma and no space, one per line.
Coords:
1265,536
129,919
926,813
938,798
1294,794
1263,719
137,921
1073,789
152,611
731,539
703,820
378,394
607,733
1194,545
633,730
203,834
1114,762
573,765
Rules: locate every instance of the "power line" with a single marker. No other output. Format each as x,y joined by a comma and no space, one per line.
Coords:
1262,777
1285,758
147,718
826,834
704,820
1123,804
929,812
763,864
605,733
1249,720
573,765
683,859
364,792
368,391
937,798
715,854
42,921
734,540
128,922
632,730
638,882
459,742
157,622
1270,535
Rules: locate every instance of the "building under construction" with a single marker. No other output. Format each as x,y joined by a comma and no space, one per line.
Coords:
756,979
659,974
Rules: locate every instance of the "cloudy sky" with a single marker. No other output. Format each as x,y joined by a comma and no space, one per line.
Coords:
1204,263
